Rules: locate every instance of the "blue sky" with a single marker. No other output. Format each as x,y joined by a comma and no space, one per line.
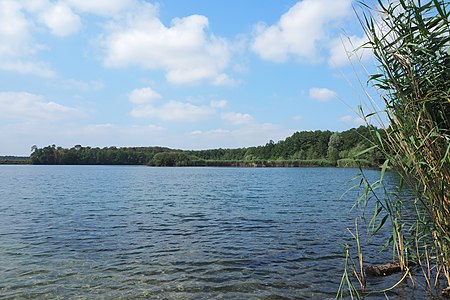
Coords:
188,74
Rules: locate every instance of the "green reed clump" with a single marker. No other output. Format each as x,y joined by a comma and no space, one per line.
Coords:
410,41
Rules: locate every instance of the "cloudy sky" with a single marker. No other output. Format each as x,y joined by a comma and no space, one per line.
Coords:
188,74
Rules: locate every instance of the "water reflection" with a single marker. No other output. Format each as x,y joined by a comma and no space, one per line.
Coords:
175,233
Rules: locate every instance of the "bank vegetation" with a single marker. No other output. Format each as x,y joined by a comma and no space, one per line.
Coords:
306,148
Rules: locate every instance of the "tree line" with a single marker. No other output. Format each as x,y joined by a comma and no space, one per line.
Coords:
306,148
14,160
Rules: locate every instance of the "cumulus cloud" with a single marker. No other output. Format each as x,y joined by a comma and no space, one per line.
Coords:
100,7
56,16
235,118
134,36
93,85
212,132
15,38
173,111
224,80
348,48
252,134
186,51
61,20
21,135
25,67
322,94
353,121
219,103
18,20
145,107
300,31
103,134
30,107
143,95
17,45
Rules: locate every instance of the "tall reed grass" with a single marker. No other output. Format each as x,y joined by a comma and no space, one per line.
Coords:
410,41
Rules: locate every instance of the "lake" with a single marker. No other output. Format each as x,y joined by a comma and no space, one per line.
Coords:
130,232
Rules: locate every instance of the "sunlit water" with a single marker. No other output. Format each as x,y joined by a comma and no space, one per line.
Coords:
109,232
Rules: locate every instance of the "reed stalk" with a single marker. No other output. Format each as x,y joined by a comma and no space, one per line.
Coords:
410,41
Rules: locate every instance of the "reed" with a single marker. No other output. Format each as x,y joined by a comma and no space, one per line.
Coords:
410,41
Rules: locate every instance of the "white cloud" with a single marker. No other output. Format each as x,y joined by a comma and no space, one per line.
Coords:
353,121
95,133
143,95
253,134
30,107
348,48
61,20
15,38
219,103
27,67
185,50
144,99
101,7
210,132
17,45
224,80
57,16
34,6
322,94
93,85
173,111
105,135
299,31
235,118
21,135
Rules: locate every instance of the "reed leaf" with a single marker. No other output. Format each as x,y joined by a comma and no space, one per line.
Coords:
410,41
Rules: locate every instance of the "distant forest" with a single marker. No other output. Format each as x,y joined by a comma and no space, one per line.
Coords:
14,160
306,148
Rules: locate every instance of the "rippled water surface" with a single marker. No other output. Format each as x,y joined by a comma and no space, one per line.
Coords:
111,232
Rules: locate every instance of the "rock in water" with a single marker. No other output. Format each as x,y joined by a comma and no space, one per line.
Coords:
383,270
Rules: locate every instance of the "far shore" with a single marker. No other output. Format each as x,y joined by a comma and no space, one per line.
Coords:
21,160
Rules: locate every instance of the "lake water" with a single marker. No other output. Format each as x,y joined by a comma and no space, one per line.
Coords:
113,232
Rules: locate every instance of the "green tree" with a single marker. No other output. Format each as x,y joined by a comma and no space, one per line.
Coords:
334,146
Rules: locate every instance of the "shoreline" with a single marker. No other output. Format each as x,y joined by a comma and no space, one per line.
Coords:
230,164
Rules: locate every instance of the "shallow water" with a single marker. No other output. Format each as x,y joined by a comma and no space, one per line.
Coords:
107,232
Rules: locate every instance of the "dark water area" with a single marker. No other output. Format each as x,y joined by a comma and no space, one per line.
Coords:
110,232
